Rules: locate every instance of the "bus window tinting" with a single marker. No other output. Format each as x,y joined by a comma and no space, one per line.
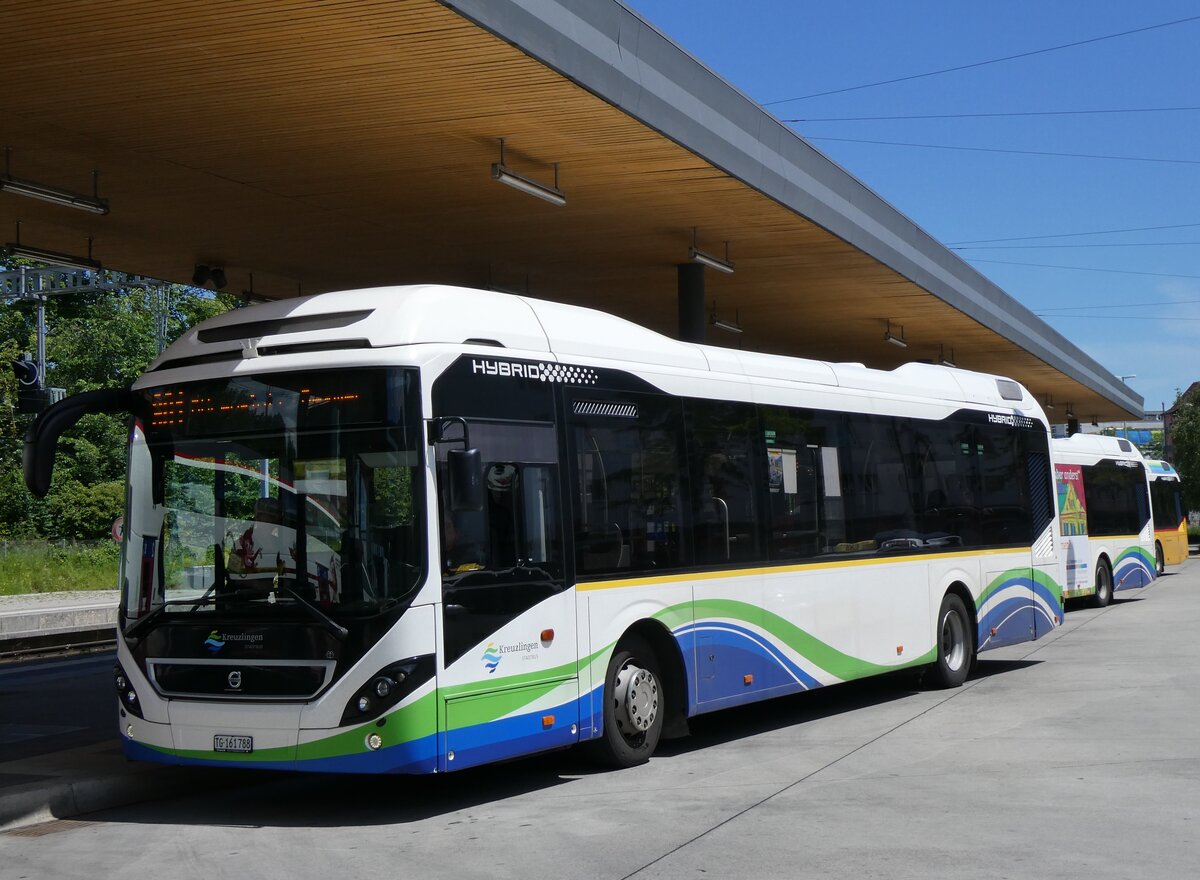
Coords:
1167,503
628,505
506,557
777,484
723,477
804,493
1116,498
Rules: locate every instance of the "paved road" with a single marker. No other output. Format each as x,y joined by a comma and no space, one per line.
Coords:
1073,757
52,705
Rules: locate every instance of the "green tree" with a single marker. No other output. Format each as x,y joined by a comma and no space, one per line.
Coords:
1185,440
95,339
1154,449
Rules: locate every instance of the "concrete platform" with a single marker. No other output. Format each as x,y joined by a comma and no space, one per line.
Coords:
1073,757
42,621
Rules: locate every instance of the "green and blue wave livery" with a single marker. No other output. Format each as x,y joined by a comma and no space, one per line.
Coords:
783,657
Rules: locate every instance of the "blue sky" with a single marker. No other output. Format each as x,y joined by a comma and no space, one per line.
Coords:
1136,170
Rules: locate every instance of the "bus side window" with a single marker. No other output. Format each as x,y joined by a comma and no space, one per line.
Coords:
947,483
1004,501
626,482
799,488
723,479
878,490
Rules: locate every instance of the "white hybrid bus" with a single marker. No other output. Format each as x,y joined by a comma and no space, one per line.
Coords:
417,529
1107,539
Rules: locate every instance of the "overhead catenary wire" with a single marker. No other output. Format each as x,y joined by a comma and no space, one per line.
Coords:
1110,244
1139,305
976,64
1072,234
974,260
997,115
1117,317
1002,150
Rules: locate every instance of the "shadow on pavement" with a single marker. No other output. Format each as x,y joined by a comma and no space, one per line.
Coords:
264,799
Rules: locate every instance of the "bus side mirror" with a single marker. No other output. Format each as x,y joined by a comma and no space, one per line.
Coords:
466,479
41,440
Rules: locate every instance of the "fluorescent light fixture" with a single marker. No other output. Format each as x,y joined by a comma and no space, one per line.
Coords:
1070,411
891,337
551,194
725,324
504,174
728,326
947,361
699,256
705,259
94,204
1049,404
55,258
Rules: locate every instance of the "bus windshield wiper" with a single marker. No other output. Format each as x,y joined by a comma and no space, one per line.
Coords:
325,620
218,576
143,623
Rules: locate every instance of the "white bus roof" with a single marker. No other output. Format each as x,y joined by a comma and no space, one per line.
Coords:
1099,445
420,314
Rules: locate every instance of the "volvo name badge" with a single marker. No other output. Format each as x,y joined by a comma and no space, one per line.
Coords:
235,679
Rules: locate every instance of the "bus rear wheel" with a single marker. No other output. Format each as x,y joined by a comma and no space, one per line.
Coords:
955,645
1104,586
634,706
1160,560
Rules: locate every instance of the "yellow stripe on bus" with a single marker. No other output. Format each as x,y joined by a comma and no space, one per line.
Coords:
777,569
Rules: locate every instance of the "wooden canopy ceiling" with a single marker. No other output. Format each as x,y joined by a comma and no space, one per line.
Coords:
310,146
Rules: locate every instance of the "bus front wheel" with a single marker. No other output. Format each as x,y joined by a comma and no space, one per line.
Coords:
1160,560
1104,586
634,706
956,644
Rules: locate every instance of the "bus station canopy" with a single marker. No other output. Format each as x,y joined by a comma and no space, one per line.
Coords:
309,146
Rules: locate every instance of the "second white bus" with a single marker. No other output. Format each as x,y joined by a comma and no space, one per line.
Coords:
1104,507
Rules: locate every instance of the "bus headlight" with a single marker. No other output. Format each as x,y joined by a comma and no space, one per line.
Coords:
387,687
125,692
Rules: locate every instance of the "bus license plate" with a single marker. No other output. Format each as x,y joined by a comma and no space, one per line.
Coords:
224,742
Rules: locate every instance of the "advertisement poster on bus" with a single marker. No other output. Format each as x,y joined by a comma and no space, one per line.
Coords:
1072,514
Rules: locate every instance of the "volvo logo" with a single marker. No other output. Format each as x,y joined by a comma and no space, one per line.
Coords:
235,679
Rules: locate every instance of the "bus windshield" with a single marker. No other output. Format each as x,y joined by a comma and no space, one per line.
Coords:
288,494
